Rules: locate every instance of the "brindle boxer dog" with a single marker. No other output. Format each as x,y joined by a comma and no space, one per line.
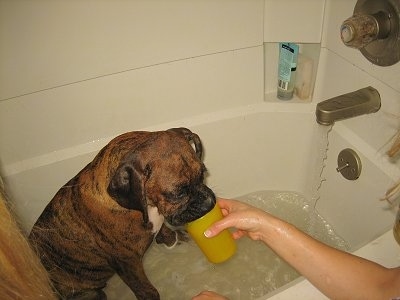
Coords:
104,219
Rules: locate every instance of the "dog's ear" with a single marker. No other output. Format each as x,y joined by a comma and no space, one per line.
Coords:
127,186
192,138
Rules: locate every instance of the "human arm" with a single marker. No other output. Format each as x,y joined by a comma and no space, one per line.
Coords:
337,274
209,295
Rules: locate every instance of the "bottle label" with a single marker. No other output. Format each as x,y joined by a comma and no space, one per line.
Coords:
287,63
283,84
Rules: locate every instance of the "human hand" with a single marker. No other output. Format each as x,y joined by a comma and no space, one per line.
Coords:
247,219
208,295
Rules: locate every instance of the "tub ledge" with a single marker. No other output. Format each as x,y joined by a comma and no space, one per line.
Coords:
383,250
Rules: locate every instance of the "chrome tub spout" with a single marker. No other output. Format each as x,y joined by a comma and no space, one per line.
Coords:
357,103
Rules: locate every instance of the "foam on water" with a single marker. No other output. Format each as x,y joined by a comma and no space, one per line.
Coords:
254,271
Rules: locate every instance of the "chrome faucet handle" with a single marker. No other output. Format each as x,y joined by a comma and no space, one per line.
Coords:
374,29
360,30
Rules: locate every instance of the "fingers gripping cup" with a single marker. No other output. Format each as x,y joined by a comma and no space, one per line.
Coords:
217,249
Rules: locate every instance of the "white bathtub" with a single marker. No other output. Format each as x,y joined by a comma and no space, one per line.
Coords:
268,146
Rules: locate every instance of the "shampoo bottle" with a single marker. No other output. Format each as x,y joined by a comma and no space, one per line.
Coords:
288,53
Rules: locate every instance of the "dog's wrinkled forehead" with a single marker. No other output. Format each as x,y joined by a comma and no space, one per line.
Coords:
165,154
166,146
171,155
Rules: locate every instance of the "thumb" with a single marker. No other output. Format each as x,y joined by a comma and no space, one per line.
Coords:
217,227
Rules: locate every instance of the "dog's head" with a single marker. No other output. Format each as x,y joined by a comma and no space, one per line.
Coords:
164,171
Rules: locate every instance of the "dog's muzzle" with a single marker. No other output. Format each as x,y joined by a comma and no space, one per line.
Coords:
199,204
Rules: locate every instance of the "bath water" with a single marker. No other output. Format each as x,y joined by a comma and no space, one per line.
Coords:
254,271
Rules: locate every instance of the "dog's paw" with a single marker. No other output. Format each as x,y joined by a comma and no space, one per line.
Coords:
176,242
180,237
167,236
170,238
183,236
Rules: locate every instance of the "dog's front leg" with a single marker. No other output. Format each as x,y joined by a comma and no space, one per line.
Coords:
132,273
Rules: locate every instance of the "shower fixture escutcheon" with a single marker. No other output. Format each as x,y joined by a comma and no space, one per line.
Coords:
349,164
357,103
374,29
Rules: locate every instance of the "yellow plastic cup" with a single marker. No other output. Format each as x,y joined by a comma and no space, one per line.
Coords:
217,249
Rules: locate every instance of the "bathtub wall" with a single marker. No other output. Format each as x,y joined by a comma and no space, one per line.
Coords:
354,206
76,73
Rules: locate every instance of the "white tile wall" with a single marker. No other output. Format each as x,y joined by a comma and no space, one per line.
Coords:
74,72
293,20
46,44
338,76
338,11
93,69
58,118
343,70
